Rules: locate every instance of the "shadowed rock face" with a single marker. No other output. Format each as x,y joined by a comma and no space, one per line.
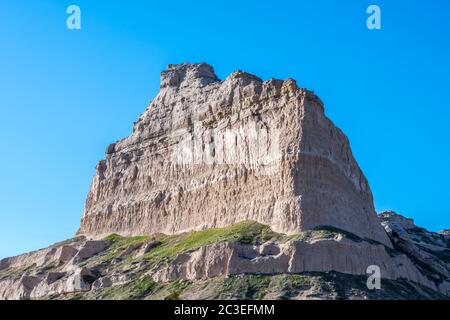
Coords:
430,251
209,153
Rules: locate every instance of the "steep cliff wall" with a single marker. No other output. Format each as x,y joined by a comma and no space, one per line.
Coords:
209,153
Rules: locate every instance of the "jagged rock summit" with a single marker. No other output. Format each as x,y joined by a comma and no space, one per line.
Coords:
210,153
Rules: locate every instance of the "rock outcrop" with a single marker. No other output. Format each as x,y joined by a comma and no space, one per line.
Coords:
259,165
430,251
55,270
323,255
142,267
210,153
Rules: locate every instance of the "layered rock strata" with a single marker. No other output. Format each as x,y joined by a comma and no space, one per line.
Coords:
210,153
96,269
429,251
322,255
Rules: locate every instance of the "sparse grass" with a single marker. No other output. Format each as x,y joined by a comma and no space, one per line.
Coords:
77,296
113,237
68,241
290,285
323,232
331,232
176,288
244,287
15,273
248,232
174,295
120,244
135,289
142,287
245,232
328,285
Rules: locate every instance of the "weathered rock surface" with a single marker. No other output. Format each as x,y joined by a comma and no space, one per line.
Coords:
429,250
210,153
136,266
90,248
339,255
54,270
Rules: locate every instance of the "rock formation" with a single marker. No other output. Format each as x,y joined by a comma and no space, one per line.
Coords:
148,267
428,250
210,153
257,163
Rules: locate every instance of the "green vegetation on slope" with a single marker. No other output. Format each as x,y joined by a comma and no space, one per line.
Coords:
312,285
125,260
136,289
120,244
248,232
245,232
121,257
243,287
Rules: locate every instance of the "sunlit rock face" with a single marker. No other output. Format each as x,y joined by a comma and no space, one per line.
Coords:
415,268
210,153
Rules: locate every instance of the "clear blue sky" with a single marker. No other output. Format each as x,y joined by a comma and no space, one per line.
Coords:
65,95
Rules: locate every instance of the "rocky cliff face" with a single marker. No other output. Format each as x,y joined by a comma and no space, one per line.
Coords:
246,260
210,153
429,251
240,188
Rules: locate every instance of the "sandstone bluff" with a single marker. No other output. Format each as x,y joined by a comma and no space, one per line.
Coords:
187,167
239,188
